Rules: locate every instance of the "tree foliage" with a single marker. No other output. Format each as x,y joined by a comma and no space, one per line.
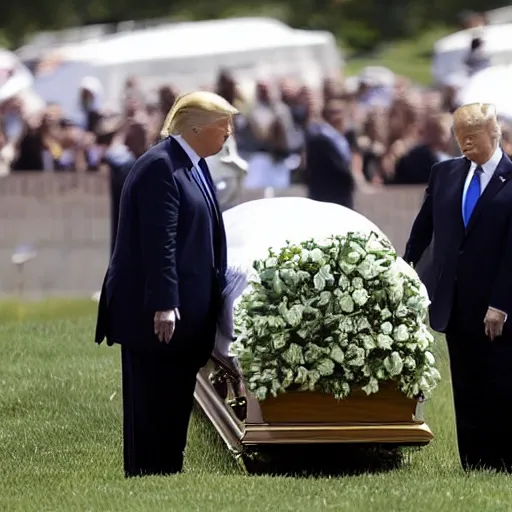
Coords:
361,24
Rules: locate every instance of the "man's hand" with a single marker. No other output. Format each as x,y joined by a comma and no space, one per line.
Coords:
165,322
494,321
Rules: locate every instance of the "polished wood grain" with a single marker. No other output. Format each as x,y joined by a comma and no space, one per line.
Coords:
308,417
389,405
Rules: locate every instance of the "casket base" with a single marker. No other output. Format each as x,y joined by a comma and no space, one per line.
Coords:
312,418
401,435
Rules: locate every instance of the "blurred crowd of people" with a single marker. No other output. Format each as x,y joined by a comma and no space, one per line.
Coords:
371,130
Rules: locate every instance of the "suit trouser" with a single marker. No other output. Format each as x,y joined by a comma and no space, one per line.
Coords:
481,373
158,396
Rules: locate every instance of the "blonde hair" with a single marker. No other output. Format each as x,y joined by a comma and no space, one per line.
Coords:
196,109
478,115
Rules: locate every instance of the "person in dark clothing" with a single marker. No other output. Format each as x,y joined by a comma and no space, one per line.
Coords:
120,158
90,97
466,220
163,290
414,167
328,159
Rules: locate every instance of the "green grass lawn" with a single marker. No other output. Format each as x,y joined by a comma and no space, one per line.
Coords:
60,441
411,58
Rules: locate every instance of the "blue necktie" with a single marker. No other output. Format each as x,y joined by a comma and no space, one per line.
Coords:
201,177
472,195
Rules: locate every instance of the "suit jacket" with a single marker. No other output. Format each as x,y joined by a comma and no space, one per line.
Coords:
118,174
470,268
170,252
329,174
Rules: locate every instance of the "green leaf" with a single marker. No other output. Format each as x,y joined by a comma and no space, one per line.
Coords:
319,282
277,284
313,316
293,356
325,367
337,354
279,341
294,315
325,298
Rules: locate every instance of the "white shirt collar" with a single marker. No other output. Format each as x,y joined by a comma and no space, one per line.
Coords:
490,166
194,157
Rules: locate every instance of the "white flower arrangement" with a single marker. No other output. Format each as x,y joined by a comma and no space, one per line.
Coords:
332,316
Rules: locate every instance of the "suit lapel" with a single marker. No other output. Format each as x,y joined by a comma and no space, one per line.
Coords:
181,159
178,155
499,179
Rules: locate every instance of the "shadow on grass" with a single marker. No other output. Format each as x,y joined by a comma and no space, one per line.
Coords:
304,461
324,461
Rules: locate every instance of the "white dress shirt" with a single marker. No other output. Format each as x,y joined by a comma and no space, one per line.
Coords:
489,168
194,157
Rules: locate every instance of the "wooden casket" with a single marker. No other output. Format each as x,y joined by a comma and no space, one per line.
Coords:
300,417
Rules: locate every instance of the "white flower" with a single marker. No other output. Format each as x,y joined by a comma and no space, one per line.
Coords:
347,304
396,293
371,387
343,282
316,255
347,267
325,367
304,256
356,247
431,360
328,314
362,323
417,303
385,314
401,333
394,277
367,341
337,354
394,364
374,245
368,269
270,262
385,342
360,296
357,283
381,374
409,363
401,311
423,338
346,325
353,257
386,328
261,393
355,355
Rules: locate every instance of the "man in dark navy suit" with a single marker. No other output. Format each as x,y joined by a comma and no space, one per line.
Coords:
329,159
467,218
162,292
